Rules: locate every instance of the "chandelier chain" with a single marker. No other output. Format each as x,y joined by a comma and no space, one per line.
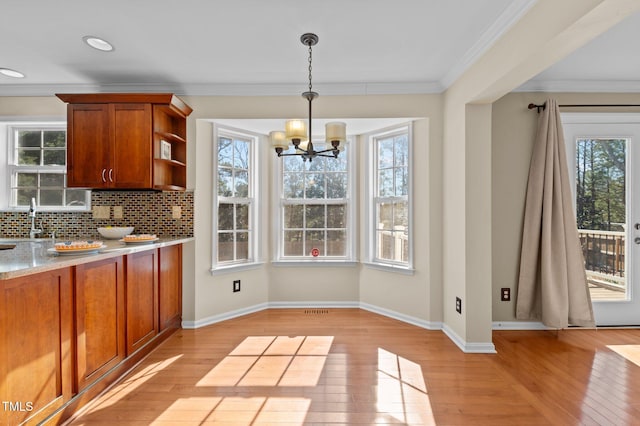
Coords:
310,58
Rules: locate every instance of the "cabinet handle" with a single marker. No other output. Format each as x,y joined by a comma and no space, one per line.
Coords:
104,179
110,175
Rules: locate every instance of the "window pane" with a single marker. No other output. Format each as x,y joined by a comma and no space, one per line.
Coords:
29,138
225,217
52,179
336,243
241,184
293,245
385,244
293,185
242,246
28,157
293,164
225,152
315,216
50,197
225,246
402,181
241,157
225,182
317,165
400,215
385,216
337,164
385,183
293,216
57,157
242,216
336,185
54,139
27,179
314,185
76,197
23,196
337,216
385,153
314,240
401,150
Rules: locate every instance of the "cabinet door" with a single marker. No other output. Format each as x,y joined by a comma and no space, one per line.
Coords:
88,145
100,319
35,345
133,146
170,295
142,299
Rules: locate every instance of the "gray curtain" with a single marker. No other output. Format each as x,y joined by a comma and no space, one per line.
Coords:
552,285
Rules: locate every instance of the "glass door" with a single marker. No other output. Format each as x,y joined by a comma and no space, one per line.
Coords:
602,152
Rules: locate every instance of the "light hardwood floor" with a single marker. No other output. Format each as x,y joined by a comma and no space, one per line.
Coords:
350,366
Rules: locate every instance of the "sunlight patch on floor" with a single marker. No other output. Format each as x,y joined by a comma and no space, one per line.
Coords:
401,391
630,352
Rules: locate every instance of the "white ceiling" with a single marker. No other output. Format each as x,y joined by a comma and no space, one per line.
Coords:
252,46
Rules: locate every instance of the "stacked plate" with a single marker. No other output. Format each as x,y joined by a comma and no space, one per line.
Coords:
76,247
139,239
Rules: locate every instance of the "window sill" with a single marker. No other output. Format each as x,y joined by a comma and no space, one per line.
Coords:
405,270
236,268
314,263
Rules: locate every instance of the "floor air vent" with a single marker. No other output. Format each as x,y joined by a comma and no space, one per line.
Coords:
316,311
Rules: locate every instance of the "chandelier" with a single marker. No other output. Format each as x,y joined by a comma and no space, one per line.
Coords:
295,132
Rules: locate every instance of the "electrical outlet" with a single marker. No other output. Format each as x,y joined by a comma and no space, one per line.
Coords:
176,212
117,212
505,294
236,286
458,305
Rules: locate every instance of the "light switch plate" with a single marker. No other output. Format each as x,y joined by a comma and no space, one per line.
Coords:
101,212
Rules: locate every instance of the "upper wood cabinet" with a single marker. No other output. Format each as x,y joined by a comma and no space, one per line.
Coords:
126,141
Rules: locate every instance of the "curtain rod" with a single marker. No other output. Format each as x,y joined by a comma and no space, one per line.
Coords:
543,106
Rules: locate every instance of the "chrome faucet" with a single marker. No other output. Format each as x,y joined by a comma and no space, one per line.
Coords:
34,232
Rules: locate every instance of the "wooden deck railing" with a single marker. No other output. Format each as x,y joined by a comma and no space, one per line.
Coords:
604,256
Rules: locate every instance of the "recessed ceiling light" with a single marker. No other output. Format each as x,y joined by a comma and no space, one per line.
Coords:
11,73
98,43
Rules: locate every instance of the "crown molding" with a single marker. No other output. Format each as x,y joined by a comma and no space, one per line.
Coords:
330,89
580,86
512,14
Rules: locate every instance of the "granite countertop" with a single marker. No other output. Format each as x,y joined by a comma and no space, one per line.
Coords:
33,256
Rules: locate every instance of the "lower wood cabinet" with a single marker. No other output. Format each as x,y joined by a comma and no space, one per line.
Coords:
67,334
36,323
170,286
142,298
100,319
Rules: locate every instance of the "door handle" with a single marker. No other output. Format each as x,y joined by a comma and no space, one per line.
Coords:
637,226
110,175
636,240
104,179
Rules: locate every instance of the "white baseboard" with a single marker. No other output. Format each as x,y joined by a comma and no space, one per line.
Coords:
466,347
224,316
428,325
519,325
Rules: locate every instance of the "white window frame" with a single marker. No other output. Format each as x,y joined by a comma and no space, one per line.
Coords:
278,216
9,162
372,199
253,201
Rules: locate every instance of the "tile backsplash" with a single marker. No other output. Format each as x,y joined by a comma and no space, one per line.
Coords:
149,211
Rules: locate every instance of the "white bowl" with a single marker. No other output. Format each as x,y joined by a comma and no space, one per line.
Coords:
115,232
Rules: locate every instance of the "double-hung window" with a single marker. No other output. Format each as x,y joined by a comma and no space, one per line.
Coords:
234,198
36,168
315,208
390,205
